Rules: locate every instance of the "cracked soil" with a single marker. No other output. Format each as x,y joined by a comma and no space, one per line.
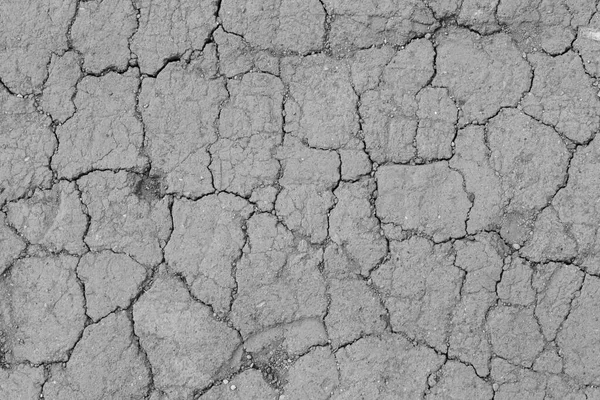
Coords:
299,199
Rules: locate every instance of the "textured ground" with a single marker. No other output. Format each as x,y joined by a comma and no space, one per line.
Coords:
299,199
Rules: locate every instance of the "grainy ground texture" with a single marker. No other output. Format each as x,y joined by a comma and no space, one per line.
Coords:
299,199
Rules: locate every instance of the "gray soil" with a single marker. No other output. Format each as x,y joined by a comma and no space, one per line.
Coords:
299,199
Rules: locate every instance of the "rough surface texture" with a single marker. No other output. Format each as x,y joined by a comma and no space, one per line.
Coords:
386,367
207,257
184,343
578,208
248,385
177,132
483,74
123,218
322,106
308,179
110,280
278,278
481,259
427,199
550,26
42,310
104,133
31,32
59,89
52,218
299,199
458,381
169,29
11,245
562,96
101,32
354,227
116,370
512,168
390,110
577,337
22,382
420,287
515,335
355,310
279,25
26,147
365,24
250,130
587,44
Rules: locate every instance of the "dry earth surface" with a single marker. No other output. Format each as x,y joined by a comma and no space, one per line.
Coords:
299,199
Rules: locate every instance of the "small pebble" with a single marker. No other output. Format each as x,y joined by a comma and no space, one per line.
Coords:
233,387
225,381
516,246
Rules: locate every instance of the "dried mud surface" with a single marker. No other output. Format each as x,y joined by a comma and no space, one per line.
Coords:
299,199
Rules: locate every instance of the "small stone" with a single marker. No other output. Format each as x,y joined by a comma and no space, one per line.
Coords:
516,246
233,387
